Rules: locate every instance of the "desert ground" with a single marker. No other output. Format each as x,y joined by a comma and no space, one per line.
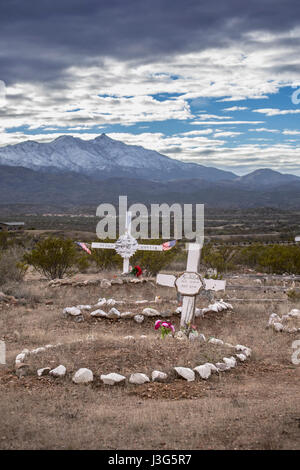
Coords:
253,406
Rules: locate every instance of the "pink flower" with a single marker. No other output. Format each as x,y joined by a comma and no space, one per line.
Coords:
157,324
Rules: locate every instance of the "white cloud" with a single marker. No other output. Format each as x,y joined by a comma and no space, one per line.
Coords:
276,112
264,129
291,132
236,108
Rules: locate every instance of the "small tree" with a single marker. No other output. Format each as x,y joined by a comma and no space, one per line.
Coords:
53,257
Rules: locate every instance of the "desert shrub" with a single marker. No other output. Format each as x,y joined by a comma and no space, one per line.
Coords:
53,257
11,266
293,295
83,263
154,261
276,259
106,259
222,257
5,241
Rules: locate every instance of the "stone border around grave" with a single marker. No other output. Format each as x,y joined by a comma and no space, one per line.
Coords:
104,283
85,375
277,323
113,313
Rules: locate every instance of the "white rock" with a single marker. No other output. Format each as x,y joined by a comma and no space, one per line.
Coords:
229,345
20,358
230,361
143,336
186,373
138,378
139,302
294,313
204,371
43,371
158,376
25,351
74,311
241,357
38,350
278,326
84,307
222,366
98,313
138,318
83,376
113,313
193,335
178,310
150,312
127,315
201,338
112,379
129,337
246,351
110,302
105,283
273,319
101,302
215,341
213,368
48,346
59,371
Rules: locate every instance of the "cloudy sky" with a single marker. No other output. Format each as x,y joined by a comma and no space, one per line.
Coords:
213,82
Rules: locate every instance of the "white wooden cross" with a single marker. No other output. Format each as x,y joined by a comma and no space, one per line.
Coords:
189,284
126,245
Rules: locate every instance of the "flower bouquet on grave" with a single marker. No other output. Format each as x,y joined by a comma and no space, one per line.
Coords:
136,271
165,328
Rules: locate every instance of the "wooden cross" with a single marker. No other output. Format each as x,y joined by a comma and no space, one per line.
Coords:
189,284
127,245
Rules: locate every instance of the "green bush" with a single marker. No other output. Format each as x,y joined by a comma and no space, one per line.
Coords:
106,259
53,257
11,268
154,261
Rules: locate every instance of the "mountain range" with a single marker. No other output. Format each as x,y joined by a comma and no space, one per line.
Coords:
72,172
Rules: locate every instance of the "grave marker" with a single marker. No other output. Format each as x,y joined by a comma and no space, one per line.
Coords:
126,245
189,284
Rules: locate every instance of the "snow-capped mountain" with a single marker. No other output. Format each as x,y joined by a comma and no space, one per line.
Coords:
103,157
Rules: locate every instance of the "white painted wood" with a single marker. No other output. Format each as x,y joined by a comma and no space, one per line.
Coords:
106,246
189,284
188,311
125,265
150,247
167,280
194,251
126,245
214,284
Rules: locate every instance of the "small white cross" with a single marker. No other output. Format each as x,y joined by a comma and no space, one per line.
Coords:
189,284
126,245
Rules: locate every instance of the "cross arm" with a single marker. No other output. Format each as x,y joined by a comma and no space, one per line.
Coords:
167,280
150,247
214,284
110,246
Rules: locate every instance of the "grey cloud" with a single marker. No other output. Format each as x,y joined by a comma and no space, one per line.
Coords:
40,40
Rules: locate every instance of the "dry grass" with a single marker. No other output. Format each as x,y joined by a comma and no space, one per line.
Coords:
255,406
